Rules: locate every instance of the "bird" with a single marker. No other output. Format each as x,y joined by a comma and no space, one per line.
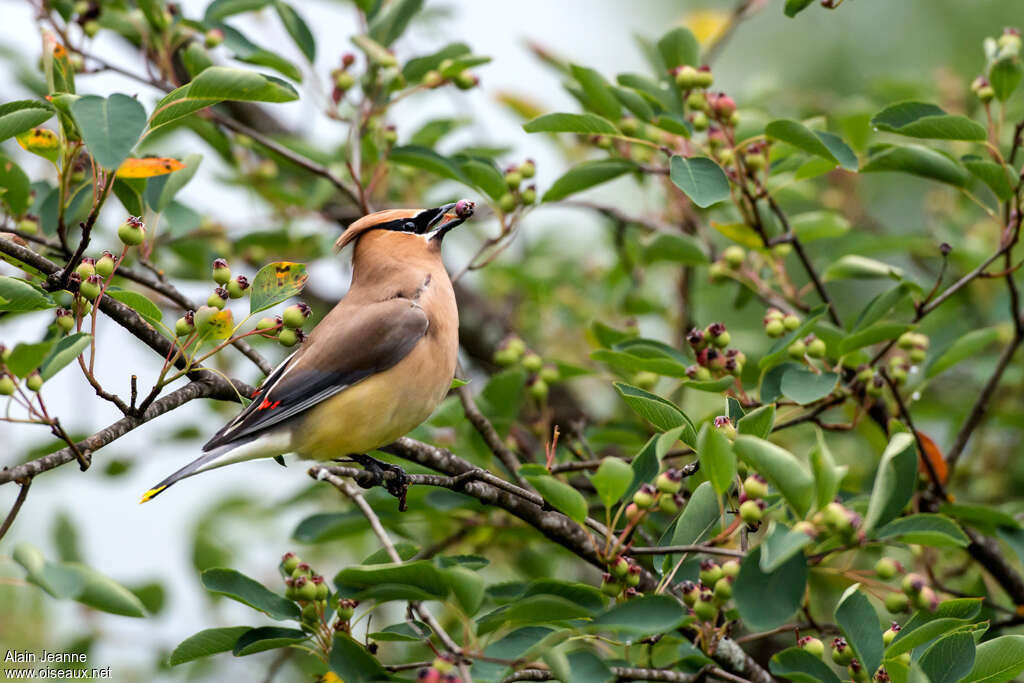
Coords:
373,369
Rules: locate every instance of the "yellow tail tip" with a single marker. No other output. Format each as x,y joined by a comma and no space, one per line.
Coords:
151,493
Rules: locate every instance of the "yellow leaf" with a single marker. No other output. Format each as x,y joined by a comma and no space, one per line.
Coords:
41,141
148,167
221,325
741,233
707,25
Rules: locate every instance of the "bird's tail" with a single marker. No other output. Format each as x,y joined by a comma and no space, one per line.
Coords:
262,446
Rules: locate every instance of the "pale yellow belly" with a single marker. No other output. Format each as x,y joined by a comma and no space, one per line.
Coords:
375,411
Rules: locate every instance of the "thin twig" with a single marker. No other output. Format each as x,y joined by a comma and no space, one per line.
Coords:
18,502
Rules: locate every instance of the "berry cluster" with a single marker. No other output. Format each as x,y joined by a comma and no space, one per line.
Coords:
512,350
441,670
706,597
518,195
309,590
713,358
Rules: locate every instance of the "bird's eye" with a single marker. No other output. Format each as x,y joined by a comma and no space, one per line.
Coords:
410,226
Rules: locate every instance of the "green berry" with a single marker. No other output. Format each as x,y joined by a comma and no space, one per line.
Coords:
670,504
539,389
289,562
619,567
842,653
221,272
750,512
529,195
86,268
185,325
218,299
691,593
305,590
343,80
80,307
527,169
812,645
532,362
906,341
791,322
513,179
734,256
132,232
755,162
507,202
670,481
774,328
310,614
886,568
697,102
700,121
731,568
91,287
65,321
754,486
633,576
236,287
917,355
466,81
204,317
723,589
644,496
345,609
433,78
797,349
550,374
322,591
710,572
890,633
295,315
268,326
105,265
28,225
718,271
213,38
505,357
610,587
705,608
34,381
91,28
645,379
287,337
704,77
7,385
816,348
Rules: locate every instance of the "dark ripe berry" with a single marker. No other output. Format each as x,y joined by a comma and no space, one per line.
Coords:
464,208
295,315
695,338
347,60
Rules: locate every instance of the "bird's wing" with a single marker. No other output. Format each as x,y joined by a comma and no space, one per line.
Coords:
359,342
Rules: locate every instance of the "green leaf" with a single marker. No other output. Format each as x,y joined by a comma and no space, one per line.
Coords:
216,84
796,664
717,460
780,544
427,160
642,616
534,609
769,599
401,632
997,660
598,93
859,623
485,175
244,50
21,115
925,626
63,352
854,267
388,25
421,574
674,124
827,475
586,175
560,495
949,659
26,357
205,643
880,306
817,225
758,422
924,120
15,187
969,345
675,247
634,103
510,647
297,29
418,67
240,587
660,412
1005,75
160,191
140,303
927,529
628,363
794,7
352,663
990,173
221,9
266,638
110,126
916,160
699,517
825,145
805,386
611,480
582,124
781,468
276,282
874,334
984,517
678,47
700,179
468,588
894,482
17,295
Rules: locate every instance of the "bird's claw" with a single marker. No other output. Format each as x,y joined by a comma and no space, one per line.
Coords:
397,484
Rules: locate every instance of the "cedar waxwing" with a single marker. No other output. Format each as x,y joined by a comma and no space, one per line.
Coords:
373,369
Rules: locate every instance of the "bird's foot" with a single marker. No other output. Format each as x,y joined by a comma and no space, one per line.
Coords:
397,484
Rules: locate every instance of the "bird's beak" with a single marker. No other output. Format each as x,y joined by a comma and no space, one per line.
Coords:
444,220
